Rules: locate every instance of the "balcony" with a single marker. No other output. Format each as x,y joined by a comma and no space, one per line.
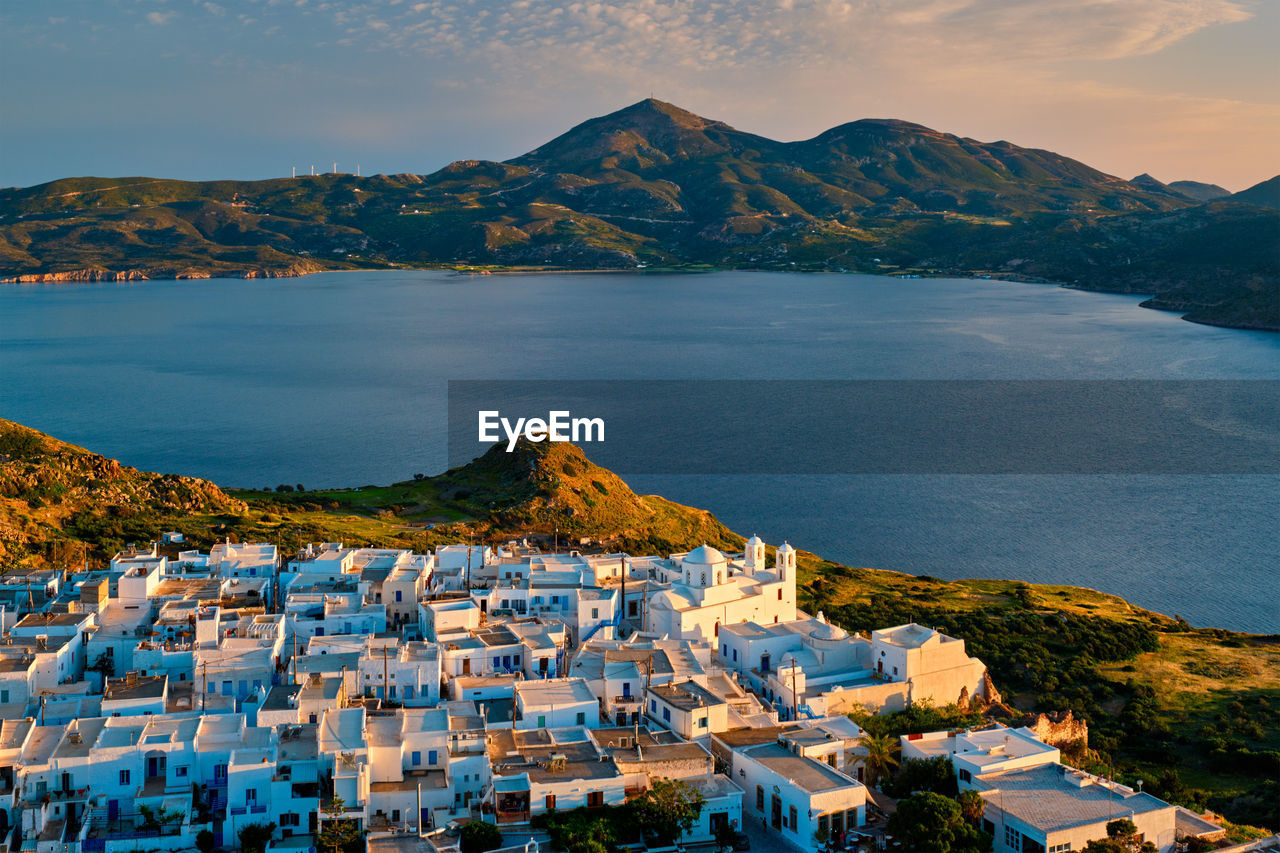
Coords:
626,699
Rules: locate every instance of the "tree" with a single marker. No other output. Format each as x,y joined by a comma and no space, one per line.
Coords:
255,837
668,809
881,755
931,823
478,836
1122,837
971,806
204,841
337,833
924,774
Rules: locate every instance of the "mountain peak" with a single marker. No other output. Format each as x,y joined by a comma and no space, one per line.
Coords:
646,133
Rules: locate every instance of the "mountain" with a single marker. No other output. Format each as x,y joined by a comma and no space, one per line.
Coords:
1266,194
1199,191
658,186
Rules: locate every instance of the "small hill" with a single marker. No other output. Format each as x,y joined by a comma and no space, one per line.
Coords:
1265,194
1199,191
541,487
54,492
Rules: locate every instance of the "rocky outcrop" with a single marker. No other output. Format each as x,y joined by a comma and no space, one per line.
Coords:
1057,728
77,275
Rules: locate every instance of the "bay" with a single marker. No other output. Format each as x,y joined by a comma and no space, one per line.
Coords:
340,379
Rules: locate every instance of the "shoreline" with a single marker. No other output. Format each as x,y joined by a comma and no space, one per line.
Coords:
90,276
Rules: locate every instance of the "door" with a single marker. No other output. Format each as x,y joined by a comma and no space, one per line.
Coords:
764,663
776,812
466,666
113,809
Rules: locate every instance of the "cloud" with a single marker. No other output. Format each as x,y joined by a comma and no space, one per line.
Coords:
161,18
699,35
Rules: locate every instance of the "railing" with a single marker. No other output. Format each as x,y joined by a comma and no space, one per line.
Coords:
258,809
626,699
238,810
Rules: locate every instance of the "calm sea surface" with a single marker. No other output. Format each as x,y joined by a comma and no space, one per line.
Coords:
340,379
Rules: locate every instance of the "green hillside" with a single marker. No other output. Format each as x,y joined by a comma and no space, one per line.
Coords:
657,186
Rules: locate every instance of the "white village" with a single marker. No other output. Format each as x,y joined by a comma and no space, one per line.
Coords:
181,700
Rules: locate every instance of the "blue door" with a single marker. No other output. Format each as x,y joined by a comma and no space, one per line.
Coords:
113,809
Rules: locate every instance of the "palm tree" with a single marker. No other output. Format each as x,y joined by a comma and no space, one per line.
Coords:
882,756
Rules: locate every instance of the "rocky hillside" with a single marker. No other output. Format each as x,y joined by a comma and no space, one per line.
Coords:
544,487
54,492
656,185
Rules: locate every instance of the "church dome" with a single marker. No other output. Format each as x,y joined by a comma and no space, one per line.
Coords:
827,631
785,548
704,555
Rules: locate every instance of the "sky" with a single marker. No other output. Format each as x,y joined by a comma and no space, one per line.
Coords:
1180,89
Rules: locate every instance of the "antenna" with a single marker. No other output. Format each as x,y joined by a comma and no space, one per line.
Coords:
313,170
295,172
357,170
335,167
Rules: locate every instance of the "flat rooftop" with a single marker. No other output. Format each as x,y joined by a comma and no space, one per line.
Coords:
1052,797
812,776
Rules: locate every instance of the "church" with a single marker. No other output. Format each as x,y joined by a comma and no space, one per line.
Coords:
710,590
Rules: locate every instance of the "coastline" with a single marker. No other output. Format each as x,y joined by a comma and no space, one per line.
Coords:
90,276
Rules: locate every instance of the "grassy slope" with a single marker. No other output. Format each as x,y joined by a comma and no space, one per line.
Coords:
1190,703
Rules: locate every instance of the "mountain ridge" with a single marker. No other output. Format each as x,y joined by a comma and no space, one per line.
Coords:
653,185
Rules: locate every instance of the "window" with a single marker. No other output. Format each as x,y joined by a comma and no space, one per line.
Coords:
794,825
735,654
595,799
964,775
1060,848
759,798
180,772
399,596
582,718
415,758
551,802
779,594
250,796
395,815
824,826
595,613
653,706
226,688
4,696
124,777
702,722
1013,839
666,714
542,722
432,757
